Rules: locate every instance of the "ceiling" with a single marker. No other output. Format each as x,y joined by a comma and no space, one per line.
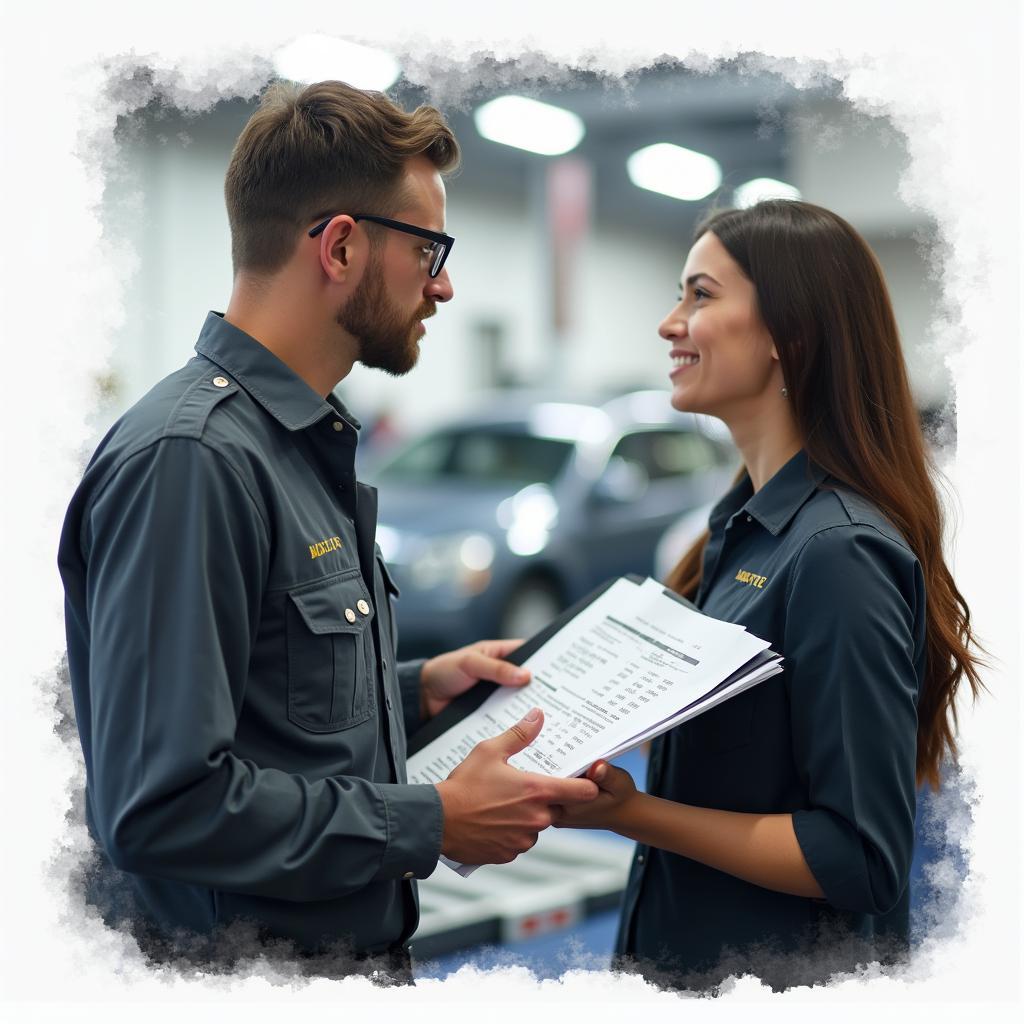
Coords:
738,117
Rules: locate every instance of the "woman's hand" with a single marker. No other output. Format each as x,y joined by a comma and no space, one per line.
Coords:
617,792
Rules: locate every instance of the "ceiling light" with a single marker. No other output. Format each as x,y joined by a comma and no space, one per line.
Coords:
529,124
754,191
674,171
318,58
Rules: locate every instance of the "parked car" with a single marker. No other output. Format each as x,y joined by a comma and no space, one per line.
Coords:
494,522
678,538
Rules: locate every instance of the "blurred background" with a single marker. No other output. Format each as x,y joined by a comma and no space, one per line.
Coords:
532,453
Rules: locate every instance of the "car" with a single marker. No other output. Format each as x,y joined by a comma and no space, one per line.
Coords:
495,521
678,539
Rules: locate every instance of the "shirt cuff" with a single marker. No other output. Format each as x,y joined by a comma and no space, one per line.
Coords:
409,673
415,824
831,852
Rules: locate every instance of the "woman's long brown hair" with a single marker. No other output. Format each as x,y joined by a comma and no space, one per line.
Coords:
823,298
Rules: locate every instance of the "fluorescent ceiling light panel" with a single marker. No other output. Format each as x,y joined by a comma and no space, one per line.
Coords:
754,191
674,171
529,124
318,58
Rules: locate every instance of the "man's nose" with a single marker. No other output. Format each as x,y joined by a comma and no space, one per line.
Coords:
439,289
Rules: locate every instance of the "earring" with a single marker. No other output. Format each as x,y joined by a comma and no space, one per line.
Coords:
785,392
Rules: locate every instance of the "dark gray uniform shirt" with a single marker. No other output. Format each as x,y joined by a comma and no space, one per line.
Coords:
817,571
231,649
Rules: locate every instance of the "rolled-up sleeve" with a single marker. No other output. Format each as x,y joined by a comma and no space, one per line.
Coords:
178,555
853,649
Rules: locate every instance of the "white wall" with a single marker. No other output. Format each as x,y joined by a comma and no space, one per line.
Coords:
169,206
623,287
915,296
852,164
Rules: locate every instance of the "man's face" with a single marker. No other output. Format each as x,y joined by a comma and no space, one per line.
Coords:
396,292
388,335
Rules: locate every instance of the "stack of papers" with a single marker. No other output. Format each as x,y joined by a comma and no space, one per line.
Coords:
633,663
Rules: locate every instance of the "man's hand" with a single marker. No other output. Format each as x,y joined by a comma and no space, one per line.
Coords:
492,811
618,792
443,678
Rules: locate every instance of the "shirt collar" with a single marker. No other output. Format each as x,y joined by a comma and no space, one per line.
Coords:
778,500
281,391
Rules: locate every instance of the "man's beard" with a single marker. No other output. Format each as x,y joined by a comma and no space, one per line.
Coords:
386,340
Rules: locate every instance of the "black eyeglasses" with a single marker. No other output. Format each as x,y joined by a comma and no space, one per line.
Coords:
442,243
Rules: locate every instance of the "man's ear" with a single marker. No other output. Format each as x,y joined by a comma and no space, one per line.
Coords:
343,250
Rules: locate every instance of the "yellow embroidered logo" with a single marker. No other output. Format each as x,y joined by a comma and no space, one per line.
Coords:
751,579
324,546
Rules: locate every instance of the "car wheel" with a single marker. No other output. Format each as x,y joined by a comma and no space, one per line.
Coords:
531,607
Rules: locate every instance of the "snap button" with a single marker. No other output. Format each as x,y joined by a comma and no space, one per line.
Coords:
363,607
639,858
409,874
220,382
338,425
350,615
750,519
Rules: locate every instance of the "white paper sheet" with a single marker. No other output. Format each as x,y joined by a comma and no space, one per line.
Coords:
619,673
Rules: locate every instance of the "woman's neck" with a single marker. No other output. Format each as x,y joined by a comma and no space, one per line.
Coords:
766,442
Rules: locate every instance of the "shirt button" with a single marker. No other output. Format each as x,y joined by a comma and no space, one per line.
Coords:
338,425
639,858
220,382
750,519
350,615
384,664
363,607
409,874
387,700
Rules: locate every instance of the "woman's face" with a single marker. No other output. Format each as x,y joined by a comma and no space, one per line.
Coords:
724,361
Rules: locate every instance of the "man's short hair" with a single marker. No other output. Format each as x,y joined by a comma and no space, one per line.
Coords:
307,153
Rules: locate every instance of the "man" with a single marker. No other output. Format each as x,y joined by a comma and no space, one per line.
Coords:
230,633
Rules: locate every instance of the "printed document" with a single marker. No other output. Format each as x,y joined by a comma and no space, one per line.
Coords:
632,664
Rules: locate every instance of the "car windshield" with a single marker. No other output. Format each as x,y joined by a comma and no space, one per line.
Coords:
484,456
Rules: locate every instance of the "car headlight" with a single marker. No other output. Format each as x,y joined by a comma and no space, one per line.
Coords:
461,559
528,517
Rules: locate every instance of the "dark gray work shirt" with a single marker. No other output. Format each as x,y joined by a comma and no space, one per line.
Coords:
817,571
232,658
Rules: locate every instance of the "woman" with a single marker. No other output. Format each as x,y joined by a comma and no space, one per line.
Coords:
777,831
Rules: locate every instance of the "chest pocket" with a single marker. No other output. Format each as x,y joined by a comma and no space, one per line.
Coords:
330,654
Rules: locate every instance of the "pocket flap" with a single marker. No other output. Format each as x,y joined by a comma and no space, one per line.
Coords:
338,605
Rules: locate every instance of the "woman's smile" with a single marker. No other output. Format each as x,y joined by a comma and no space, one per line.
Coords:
681,361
